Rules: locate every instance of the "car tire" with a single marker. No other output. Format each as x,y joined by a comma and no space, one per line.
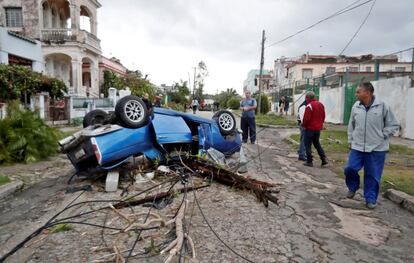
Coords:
131,112
94,117
225,121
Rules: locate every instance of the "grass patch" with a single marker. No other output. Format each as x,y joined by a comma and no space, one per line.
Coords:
398,171
60,228
4,179
274,120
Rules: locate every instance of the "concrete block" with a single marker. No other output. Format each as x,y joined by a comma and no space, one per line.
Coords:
401,198
396,196
112,179
408,204
10,188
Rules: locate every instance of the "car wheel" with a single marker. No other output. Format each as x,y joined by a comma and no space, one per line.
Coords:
131,111
226,122
94,117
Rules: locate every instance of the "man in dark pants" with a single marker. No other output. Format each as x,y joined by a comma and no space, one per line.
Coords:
313,120
370,127
248,124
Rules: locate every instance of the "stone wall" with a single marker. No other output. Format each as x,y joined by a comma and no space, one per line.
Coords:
31,13
333,100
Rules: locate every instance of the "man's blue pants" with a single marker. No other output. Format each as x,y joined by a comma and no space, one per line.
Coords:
373,163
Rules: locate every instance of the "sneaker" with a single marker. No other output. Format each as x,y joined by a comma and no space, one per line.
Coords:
252,142
308,164
350,194
371,205
324,162
302,159
244,141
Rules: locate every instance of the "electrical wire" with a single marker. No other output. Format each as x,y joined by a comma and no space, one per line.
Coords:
346,9
359,28
215,233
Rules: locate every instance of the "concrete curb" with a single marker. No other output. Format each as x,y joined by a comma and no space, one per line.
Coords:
10,188
291,140
276,126
404,200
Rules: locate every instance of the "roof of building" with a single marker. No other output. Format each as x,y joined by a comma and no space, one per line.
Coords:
342,59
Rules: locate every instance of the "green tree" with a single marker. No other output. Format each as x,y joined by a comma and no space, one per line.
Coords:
202,73
223,97
180,95
233,103
264,104
17,81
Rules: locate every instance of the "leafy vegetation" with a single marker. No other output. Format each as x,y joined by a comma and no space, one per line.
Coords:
179,97
223,97
24,137
4,179
133,80
233,103
274,120
398,168
264,105
60,228
17,82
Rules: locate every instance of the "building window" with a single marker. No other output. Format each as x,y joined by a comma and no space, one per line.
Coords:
353,69
306,73
330,70
400,69
368,69
14,17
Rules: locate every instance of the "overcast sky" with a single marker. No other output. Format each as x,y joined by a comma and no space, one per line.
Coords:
167,38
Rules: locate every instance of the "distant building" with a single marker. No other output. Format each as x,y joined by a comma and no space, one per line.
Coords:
252,83
67,30
16,49
312,68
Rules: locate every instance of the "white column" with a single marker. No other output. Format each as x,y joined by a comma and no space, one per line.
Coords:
76,76
4,57
74,17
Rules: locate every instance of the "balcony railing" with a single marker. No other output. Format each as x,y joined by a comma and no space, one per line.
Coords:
61,35
58,35
89,38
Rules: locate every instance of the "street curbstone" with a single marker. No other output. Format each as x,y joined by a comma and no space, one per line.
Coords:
10,188
403,199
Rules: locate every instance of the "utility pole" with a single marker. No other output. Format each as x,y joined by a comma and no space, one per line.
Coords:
194,84
261,71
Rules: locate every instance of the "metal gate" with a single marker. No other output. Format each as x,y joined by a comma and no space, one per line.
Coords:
350,100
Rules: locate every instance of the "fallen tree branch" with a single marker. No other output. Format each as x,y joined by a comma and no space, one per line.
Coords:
226,177
155,197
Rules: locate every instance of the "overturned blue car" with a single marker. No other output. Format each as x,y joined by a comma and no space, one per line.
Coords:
108,140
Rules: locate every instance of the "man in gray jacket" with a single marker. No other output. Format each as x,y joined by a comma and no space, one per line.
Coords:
371,125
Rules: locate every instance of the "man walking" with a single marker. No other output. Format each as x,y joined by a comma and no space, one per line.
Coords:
194,105
248,124
313,120
301,150
370,126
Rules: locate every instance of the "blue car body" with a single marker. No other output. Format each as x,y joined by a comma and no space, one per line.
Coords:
167,130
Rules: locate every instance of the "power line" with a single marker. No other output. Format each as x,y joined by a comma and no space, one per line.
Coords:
346,9
359,28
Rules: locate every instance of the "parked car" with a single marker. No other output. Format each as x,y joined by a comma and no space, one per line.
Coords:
109,140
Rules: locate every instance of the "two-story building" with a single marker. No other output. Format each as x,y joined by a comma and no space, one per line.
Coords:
252,82
298,71
67,30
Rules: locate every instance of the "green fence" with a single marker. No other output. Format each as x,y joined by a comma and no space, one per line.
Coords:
350,100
